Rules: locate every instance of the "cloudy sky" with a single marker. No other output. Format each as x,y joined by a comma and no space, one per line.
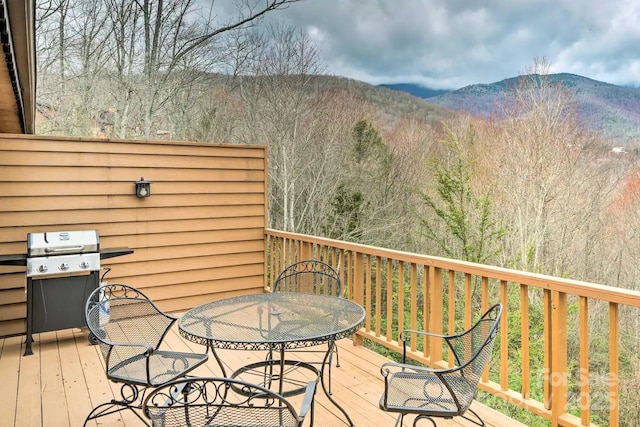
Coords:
453,43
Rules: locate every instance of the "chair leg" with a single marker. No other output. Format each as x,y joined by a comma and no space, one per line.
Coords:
424,417
131,399
475,419
112,407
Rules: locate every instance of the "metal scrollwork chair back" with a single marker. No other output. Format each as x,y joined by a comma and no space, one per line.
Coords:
223,402
312,276
129,329
442,393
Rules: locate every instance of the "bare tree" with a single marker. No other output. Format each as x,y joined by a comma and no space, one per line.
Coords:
551,188
156,48
71,41
282,108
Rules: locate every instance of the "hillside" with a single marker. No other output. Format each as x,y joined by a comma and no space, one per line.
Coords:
393,103
415,90
612,110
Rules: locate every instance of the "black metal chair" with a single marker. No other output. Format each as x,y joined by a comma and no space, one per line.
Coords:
223,402
312,276
442,393
129,329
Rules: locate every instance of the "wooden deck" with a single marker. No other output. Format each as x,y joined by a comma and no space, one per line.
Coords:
64,379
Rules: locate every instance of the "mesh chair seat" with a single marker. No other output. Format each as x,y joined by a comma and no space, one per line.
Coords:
428,393
224,402
164,366
203,415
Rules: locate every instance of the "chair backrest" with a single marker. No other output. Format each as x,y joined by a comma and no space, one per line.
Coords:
310,276
119,315
219,402
472,349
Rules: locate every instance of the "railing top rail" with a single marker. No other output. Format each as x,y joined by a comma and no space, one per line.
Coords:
574,287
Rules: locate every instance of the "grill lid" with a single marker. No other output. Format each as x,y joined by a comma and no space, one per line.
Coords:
54,243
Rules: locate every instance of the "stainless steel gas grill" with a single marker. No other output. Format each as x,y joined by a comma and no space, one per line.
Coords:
62,252
63,268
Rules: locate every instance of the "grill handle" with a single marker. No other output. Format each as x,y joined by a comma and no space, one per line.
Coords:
66,249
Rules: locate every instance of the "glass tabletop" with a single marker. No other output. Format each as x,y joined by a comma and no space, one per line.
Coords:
268,320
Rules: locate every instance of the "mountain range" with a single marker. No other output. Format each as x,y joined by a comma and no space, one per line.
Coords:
611,110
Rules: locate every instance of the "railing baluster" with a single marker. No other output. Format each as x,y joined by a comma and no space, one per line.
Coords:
613,365
379,282
504,341
413,304
389,299
559,377
435,344
400,314
548,334
358,278
426,312
485,294
585,414
468,303
484,307
451,321
524,342
367,294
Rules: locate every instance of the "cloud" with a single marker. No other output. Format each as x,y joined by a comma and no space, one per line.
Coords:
453,43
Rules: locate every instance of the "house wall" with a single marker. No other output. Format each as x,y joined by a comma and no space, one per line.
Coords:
199,237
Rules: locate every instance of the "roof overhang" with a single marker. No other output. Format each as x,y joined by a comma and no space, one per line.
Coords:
18,70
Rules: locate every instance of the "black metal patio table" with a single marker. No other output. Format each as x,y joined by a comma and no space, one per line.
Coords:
274,322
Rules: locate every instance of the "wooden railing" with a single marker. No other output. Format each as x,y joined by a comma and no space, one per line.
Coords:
547,361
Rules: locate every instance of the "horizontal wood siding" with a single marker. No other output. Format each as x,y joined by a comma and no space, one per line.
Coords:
200,235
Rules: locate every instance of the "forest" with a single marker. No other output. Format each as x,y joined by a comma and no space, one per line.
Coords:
533,190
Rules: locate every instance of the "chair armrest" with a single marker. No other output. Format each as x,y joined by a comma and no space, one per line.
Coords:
307,400
424,333
147,347
169,316
389,368
102,339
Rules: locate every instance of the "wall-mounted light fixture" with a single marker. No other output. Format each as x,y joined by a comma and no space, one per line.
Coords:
143,188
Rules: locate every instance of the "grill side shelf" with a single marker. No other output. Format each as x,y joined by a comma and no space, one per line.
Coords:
21,259
13,259
114,252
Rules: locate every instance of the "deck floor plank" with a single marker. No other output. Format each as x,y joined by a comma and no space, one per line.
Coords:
75,386
9,370
54,404
97,386
28,402
357,384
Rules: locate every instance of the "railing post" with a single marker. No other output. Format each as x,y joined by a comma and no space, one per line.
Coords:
558,375
306,251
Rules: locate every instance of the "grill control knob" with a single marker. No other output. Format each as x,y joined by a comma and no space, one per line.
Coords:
85,264
43,269
64,266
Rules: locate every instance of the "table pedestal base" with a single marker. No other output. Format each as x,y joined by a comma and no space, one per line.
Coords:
289,377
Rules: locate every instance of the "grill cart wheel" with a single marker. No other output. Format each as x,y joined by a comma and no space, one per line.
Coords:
92,339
